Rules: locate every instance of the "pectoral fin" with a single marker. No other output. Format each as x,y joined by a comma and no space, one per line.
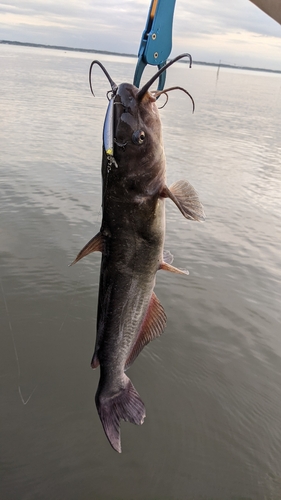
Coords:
151,328
167,267
167,261
167,257
186,199
94,245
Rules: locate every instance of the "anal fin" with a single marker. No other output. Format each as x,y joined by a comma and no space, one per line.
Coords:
183,194
151,328
94,245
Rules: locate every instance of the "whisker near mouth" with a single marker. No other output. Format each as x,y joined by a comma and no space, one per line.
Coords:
145,88
157,93
113,85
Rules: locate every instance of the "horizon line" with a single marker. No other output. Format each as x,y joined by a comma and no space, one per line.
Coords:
122,54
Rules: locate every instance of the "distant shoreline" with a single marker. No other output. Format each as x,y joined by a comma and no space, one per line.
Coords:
93,51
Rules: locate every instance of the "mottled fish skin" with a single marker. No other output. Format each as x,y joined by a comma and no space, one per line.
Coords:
132,231
131,240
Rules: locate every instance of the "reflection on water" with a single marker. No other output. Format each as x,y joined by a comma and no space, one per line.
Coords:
211,384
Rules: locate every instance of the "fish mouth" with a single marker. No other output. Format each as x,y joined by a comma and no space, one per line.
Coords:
141,93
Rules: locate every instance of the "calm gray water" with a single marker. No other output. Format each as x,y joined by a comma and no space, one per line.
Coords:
212,383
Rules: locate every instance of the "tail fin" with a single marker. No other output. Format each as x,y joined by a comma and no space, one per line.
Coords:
126,405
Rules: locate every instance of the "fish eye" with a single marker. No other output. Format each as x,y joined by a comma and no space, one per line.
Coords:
138,137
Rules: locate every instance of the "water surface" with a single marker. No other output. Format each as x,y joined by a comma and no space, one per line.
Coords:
212,383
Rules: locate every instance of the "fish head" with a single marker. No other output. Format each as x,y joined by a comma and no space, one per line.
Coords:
137,125
132,120
132,134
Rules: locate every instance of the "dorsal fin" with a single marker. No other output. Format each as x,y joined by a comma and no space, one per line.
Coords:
151,328
185,197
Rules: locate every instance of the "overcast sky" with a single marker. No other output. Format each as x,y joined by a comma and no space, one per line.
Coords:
233,31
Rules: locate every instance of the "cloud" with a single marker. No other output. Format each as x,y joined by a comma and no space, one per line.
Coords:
221,17
212,29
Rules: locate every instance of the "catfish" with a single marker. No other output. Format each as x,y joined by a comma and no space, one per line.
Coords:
131,241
